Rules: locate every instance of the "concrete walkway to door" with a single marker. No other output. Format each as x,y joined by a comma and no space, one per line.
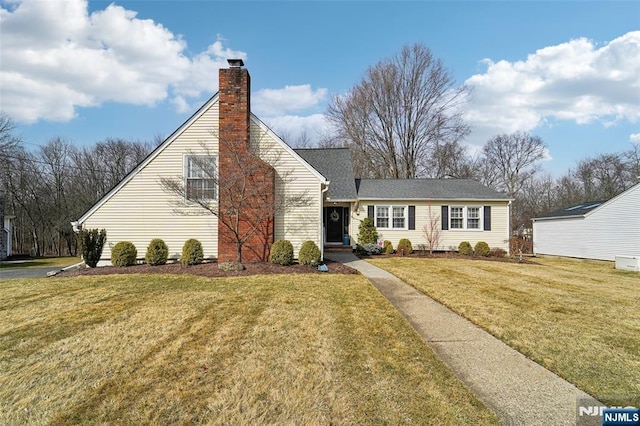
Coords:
520,391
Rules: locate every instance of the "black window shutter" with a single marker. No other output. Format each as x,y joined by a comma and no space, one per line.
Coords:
370,211
487,218
412,217
445,217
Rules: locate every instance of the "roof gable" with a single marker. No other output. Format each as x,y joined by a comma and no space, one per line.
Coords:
337,166
586,209
175,135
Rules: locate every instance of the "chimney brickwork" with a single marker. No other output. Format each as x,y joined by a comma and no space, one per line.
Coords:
241,174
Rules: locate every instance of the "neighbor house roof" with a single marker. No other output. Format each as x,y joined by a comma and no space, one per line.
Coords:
336,165
420,189
573,210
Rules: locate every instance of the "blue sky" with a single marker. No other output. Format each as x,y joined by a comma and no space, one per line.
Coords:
566,71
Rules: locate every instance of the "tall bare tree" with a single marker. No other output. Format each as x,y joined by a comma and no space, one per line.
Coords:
393,118
513,158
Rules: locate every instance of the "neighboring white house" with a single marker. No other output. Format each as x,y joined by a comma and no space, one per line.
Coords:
6,230
138,210
594,230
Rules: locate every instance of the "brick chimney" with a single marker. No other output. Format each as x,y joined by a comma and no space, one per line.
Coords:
239,170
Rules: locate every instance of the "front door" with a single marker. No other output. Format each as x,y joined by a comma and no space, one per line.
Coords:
334,221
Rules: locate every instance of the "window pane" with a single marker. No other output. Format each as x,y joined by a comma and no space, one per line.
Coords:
457,218
382,217
200,179
398,217
473,217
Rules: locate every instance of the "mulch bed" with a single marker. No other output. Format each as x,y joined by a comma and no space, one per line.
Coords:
526,259
211,270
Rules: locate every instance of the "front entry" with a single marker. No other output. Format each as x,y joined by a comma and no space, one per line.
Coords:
334,222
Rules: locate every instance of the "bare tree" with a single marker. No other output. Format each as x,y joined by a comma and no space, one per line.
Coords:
450,159
394,116
8,138
514,159
238,199
432,229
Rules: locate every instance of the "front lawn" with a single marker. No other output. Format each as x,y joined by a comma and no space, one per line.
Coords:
169,349
578,318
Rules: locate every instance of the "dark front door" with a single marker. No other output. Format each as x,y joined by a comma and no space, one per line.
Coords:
334,221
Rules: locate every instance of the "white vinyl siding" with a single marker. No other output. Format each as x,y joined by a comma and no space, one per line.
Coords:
303,220
609,230
498,236
140,210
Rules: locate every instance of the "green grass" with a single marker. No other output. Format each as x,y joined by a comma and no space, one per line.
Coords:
580,319
42,262
168,349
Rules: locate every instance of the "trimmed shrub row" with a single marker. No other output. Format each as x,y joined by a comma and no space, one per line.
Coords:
282,253
480,249
124,253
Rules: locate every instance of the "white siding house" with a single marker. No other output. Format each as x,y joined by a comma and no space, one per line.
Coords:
331,202
598,230
139,210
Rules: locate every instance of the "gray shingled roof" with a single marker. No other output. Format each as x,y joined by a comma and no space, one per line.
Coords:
336,165
434,189
574,210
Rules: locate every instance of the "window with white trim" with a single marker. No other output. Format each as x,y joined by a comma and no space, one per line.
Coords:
465,217
473,217
391,217
382,217
200,174
457,218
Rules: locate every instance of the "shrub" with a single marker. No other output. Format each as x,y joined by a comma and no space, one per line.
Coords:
157,252
404,247
482,249
309,254
371,249
367,232
498,252
465,248
387,247
91,244
124,253
192,253
281,252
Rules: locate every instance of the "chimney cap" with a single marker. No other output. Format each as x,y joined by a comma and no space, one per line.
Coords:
235,63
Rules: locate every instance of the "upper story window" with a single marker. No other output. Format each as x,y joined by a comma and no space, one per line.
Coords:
391,217
200,175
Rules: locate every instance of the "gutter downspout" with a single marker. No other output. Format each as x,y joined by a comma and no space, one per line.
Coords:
321,226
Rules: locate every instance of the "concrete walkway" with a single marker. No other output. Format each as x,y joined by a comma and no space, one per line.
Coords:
520,391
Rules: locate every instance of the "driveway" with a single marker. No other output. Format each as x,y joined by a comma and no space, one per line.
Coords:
6,274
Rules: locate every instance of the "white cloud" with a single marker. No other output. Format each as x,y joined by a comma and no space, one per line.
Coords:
293,127
273,102
635,138
576,81
56,57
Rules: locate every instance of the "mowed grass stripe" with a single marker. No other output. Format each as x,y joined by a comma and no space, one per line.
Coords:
578,318
292,349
